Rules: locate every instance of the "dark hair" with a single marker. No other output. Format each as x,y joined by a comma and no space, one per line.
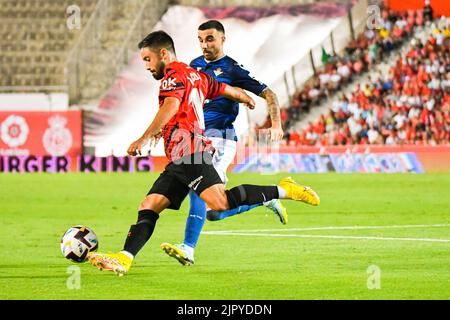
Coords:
212,24
158,39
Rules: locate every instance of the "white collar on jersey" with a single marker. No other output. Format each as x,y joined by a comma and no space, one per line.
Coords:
215,60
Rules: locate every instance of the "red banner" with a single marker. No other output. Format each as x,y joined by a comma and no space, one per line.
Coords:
440,7
41,133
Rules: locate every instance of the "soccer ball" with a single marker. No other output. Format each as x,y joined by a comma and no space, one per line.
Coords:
77,242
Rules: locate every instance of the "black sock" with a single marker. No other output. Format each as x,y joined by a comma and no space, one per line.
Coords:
141,231
248,194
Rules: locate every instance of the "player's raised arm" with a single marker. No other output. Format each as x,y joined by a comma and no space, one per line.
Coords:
216,89
239,95
165,113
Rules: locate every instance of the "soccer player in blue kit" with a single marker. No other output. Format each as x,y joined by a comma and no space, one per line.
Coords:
220,115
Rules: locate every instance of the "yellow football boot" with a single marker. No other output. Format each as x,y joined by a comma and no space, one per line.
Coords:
179,252
298,192
278,208
119,263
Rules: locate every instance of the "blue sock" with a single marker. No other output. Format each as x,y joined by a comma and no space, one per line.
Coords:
215,216
195,220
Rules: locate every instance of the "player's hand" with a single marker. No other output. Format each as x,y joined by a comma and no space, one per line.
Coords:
135,148
250,104
155,139
276,134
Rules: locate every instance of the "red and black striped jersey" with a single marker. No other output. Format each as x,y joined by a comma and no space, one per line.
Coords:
184,133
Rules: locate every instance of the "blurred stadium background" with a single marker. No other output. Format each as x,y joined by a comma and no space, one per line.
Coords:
350,75
364,87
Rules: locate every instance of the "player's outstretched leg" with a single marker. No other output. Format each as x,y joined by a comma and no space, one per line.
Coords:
287,189
219,199
274,205
137,237
298,192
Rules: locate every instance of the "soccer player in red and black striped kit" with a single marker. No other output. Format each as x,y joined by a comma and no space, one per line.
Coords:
183,91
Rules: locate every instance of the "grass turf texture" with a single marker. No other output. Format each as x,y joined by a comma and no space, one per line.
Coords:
36,209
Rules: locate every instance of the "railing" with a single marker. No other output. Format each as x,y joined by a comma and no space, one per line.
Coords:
86,46
140,27
352,24
89,45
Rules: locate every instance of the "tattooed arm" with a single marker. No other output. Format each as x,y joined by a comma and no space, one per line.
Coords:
276,131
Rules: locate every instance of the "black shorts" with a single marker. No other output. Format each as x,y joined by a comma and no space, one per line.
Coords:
194,172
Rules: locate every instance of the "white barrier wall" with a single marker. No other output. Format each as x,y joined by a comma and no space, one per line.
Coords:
34,101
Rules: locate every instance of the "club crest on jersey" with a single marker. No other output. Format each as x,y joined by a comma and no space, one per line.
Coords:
169,84
218,72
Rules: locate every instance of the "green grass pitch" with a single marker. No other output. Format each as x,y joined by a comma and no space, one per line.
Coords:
266,260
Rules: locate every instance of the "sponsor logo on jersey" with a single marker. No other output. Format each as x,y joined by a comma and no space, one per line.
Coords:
168,84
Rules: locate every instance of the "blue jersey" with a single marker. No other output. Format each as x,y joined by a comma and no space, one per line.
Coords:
221,113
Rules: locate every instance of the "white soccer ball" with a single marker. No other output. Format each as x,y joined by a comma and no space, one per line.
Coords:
77,242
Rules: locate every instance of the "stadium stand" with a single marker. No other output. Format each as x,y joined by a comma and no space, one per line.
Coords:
34,41
41,52
408,105
358,57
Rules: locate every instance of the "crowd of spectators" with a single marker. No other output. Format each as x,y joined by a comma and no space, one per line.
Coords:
409,105
360,54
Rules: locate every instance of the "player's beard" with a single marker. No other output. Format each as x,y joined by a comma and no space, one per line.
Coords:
209,55
159,72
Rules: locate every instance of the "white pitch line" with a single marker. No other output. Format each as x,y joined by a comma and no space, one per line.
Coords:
340,228
221,233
